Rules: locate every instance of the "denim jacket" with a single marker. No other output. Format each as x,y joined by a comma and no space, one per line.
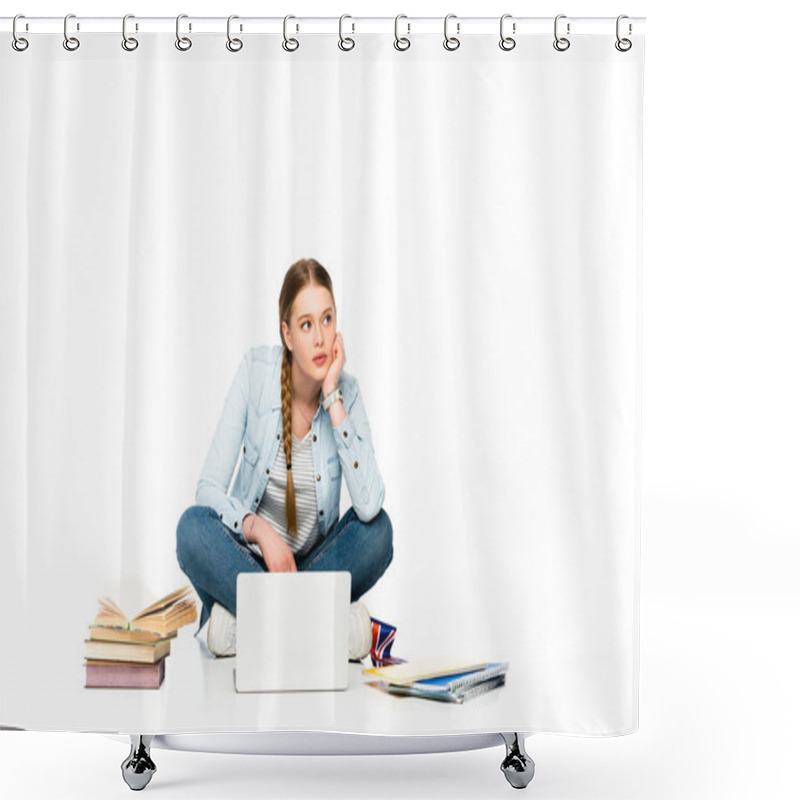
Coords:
251,425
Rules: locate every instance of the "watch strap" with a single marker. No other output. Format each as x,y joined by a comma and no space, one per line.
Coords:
328,401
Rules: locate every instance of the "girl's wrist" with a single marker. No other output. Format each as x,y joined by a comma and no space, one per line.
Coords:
330,399
337,413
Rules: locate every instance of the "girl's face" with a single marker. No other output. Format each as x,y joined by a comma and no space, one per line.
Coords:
312,331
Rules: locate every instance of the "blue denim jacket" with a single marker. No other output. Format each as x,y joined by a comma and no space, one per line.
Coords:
252,425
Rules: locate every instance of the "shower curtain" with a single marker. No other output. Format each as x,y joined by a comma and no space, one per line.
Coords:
478,208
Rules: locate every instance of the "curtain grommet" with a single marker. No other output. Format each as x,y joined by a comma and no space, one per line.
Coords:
623,45
346,43
451,42
234,45
183,43
561,43
506,42
289,44
19,43
401,43
129,43
70,42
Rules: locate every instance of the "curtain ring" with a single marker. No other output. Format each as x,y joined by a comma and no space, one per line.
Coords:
401,43
561,43
350,42
450,42
295,44
70,42
234,45
181,42
129,43
506,42
623,45
18,42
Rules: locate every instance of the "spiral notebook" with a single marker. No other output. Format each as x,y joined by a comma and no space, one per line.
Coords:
463,680
444,681
451,696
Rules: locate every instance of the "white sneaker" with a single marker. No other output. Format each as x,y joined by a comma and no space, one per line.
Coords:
360,640
221,635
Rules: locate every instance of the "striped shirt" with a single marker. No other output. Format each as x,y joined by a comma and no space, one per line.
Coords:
273,503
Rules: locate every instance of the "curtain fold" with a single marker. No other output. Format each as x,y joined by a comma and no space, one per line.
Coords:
479,212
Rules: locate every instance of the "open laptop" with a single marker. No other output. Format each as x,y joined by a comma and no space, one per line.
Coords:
292,631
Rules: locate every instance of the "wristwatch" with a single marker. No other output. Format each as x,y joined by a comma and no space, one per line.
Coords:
328,401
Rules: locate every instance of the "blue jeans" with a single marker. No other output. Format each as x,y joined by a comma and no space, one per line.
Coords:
212,555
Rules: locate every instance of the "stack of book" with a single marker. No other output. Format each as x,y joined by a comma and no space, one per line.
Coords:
131,654
436,679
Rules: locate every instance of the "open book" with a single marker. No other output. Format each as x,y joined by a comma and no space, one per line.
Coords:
162,617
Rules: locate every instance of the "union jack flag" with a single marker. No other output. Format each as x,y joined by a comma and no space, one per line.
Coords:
382,640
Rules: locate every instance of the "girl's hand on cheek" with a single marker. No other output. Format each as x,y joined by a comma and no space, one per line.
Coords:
332,378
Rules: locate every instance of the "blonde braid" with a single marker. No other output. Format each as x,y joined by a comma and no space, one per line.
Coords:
305,272
286,408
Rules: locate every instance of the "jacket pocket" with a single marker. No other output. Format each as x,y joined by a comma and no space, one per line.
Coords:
334,467
254,411
250,451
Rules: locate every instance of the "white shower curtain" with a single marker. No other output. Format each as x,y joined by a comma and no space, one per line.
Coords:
479,212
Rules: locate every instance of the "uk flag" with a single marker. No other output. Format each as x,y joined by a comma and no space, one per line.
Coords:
382,640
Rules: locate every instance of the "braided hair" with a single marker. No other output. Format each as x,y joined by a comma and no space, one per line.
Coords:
302,273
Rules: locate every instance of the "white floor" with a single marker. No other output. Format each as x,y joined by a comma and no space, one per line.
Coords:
718,718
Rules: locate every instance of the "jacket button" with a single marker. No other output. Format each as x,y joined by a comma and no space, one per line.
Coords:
345,434
356,465
267,471
318,477
235,524
321,512
278,436
314,437
245,448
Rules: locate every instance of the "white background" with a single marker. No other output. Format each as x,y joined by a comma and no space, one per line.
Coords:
720,523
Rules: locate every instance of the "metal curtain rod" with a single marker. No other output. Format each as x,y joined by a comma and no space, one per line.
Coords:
326,25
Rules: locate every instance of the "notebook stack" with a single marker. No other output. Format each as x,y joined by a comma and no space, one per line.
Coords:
131,654
435,679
